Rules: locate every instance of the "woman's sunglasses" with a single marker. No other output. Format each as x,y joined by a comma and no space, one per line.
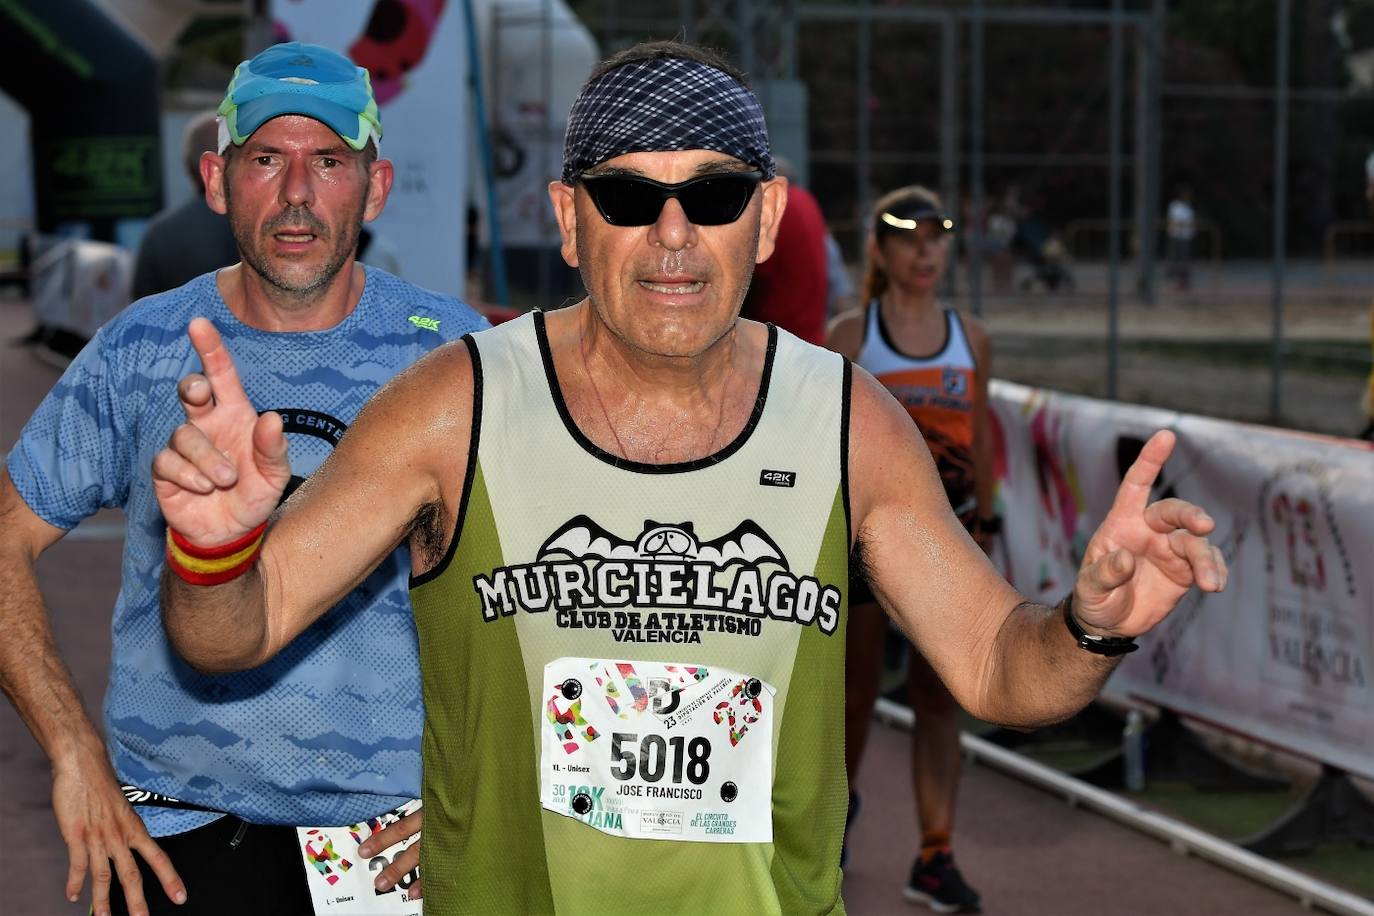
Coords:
711,200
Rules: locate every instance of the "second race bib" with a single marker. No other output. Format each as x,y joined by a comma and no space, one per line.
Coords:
340,880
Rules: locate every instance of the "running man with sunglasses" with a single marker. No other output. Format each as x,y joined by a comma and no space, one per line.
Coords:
631,523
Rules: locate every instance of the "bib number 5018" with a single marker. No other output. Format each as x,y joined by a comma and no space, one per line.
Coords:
653,755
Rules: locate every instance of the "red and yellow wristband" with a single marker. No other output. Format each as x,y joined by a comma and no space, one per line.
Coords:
213,565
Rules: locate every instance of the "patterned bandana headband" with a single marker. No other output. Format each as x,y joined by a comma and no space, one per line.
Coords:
665,104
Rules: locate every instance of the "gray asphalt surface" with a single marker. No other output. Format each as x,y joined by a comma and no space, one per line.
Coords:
1028,853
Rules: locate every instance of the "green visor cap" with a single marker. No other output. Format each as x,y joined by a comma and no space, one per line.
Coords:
301,79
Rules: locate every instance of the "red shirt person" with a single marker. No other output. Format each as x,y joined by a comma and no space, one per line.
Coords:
789,289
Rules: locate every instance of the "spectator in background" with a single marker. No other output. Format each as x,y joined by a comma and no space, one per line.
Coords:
1006,234
1180,226
839,288
1001,261
190,239
791,288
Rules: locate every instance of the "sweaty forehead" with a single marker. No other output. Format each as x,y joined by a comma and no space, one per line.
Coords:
294,131
665,105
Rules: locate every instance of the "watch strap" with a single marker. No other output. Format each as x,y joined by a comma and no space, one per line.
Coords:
1109,646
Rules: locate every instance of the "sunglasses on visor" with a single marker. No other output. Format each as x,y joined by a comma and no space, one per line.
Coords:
910,219
710,200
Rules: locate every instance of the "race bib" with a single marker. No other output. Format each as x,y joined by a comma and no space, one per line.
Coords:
340,880
658,751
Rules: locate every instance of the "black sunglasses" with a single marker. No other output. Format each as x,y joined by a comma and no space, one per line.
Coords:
710,200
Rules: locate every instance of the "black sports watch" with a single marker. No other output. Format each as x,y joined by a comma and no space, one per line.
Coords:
1110,646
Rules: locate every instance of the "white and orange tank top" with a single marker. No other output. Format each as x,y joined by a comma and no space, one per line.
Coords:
937,391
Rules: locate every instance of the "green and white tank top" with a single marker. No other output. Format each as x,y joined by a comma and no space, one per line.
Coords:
634,674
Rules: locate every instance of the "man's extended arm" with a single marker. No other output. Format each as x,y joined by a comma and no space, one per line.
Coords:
395,474
93,816
1005,659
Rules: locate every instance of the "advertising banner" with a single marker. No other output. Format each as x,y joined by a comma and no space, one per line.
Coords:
416,52
1286,653
91,91
537,57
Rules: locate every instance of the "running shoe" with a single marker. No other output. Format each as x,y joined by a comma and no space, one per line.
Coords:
938,885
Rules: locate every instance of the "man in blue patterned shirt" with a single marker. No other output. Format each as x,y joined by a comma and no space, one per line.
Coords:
328,733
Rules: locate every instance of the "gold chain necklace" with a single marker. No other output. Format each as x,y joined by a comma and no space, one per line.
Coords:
720,415
582,348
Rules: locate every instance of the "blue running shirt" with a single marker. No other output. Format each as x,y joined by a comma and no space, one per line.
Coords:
328,732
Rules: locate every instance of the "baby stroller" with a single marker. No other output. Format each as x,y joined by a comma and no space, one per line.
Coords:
1050,266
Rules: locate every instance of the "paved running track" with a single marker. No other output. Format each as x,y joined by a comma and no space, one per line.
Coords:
1029,853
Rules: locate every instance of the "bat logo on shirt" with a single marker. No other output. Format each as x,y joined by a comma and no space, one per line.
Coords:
747,543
